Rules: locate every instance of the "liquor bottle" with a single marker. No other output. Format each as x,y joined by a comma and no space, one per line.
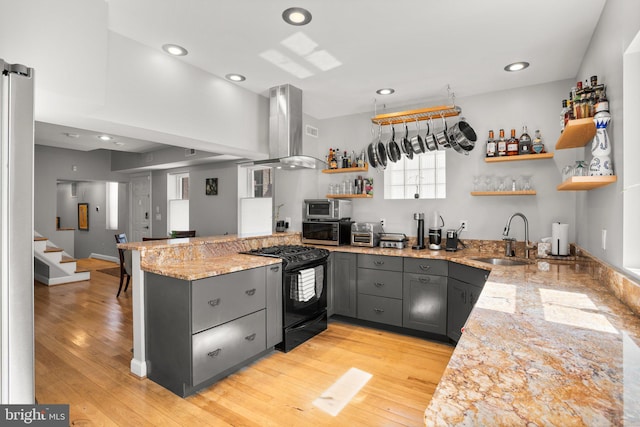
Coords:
502,144
512,144
345,160
491,145
524,146
537,146
564,115
338,156
333,164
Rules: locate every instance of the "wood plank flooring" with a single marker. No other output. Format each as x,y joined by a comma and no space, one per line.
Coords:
83,351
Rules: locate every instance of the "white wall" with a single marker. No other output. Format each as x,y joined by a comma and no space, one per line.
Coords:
618,25
536,106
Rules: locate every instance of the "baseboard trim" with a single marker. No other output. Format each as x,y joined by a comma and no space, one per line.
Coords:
52,281
104,257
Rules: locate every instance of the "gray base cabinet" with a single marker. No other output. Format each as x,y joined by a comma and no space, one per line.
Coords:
380,289
344,284
465,285
200,331
425,295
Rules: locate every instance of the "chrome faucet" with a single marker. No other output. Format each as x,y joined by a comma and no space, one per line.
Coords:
527,246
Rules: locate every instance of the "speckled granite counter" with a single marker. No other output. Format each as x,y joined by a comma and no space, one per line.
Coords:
540,348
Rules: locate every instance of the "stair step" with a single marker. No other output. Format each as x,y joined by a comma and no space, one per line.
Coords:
82,271
39,239
67,259
52,249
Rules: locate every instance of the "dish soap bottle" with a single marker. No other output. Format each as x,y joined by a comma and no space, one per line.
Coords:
537,146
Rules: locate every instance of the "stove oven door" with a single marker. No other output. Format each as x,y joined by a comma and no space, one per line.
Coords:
296,310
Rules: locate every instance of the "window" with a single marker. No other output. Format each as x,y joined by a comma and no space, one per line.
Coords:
424,175
112,205
261,182
178,201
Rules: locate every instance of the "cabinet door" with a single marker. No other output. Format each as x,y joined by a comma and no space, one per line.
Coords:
425,303
344,284
468,274
274,304
462,298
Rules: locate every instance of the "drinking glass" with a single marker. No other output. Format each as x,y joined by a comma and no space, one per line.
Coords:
501,183
476,183
527,183
489,183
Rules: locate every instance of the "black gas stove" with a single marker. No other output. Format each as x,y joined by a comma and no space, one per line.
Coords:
293,256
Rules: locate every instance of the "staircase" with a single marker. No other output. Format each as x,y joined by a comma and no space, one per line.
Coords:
53,266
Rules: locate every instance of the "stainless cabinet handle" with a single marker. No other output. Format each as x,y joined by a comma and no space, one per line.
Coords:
378,262
250,337
214,353
463,296
424,279
378,310
424,267
214,302
275,268
250,292
471,299
378,285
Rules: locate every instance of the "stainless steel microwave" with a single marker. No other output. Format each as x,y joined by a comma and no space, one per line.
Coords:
333,233
327,209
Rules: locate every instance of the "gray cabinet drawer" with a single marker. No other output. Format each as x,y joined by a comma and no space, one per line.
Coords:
380,262
437,267
380,309
465,273
219,299
223,347
380,283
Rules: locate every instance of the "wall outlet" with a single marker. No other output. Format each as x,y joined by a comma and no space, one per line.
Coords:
463,225
382,222
604,239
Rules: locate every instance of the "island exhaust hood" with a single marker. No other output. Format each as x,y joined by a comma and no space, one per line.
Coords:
285,131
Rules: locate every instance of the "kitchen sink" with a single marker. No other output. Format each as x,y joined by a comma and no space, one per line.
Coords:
502,261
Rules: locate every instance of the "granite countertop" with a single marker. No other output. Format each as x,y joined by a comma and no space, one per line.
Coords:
552,347
194,241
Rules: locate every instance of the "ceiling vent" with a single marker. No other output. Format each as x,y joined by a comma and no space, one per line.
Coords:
311,131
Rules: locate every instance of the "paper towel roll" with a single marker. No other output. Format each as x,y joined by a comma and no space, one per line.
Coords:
559,239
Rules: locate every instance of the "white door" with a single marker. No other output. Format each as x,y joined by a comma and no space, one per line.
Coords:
140,207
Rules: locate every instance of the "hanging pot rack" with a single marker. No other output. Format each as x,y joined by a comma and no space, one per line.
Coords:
419,114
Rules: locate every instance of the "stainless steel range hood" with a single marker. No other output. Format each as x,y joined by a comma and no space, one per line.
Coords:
285,131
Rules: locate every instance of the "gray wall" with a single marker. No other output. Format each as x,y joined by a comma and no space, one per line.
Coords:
96,240
602,208
53,164
536,106
208,215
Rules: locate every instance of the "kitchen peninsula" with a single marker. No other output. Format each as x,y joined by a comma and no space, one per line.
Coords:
547,342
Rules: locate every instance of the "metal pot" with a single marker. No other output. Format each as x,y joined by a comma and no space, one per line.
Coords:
393,150
429,138
441,137
416,141
463,135
406,144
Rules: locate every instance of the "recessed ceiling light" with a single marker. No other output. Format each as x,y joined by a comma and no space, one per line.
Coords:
385,91
235,77
516,66
71,135
118,143
296,16
174,49
105,137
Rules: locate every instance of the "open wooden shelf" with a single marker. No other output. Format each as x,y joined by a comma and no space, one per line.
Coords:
582,183
504,193
540,156
365,168
576,133
349,196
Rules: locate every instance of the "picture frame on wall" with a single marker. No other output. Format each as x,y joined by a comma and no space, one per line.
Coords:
83,216
211,186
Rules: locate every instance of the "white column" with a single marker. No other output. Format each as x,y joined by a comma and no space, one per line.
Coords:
139,361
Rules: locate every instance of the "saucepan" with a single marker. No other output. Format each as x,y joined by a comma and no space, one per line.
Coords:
463,136
430,138
393,150
441,137
416,141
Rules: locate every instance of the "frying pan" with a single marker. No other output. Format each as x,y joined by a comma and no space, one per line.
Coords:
406,144
429,138
393,150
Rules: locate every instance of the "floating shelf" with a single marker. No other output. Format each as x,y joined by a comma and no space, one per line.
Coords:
504,193
413,115
582,183
540,156
349,196
577,133
365,168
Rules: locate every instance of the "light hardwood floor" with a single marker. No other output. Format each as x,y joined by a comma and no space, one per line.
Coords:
83,350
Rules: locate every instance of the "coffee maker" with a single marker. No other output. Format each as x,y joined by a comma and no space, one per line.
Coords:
435,231
418,216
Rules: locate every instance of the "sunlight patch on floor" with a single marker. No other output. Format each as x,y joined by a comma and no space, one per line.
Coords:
336,397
